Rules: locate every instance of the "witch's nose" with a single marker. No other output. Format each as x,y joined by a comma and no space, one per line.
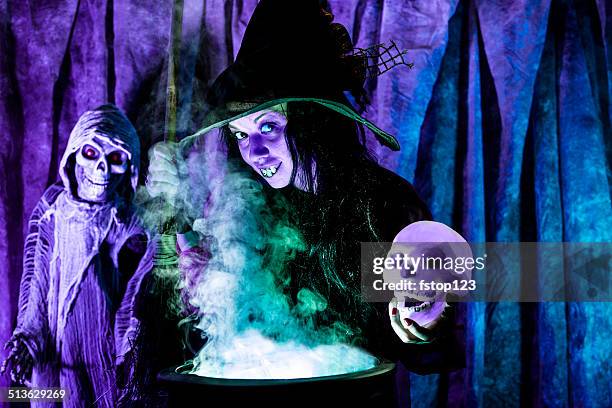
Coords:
258,148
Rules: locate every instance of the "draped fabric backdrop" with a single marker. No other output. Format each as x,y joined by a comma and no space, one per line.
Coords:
504,123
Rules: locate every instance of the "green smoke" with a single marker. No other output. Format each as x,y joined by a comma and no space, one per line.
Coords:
238,283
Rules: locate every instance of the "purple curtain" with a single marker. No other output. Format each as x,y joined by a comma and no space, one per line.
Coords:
504,123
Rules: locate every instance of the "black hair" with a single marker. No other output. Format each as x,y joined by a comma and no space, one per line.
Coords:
335,219
315,133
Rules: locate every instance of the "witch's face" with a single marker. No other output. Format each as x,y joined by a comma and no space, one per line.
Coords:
262,142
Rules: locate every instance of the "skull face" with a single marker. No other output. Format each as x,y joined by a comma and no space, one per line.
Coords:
427,246
100,168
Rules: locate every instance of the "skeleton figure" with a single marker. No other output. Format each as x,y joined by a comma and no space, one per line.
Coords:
85,258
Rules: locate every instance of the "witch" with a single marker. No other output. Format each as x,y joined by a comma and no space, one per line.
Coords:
285,110
85,258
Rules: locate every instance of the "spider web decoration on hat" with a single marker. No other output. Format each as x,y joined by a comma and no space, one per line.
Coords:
380,58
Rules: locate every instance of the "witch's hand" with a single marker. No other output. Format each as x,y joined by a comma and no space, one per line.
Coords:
19,361
404,321
163,178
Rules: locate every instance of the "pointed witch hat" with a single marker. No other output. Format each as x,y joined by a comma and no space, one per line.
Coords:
291,51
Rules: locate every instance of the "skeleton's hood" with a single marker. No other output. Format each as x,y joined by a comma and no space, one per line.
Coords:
109,123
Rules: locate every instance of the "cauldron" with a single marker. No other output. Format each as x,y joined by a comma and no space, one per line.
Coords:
374,387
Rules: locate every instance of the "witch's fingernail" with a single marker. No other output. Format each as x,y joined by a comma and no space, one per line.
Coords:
409,322
394,311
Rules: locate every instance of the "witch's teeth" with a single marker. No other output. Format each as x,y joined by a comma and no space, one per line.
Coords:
268,172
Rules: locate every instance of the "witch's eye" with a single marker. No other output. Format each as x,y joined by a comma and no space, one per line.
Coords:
240,135
267,127
89,152
116,158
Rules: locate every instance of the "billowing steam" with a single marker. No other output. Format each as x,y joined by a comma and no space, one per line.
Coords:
237,283
250,355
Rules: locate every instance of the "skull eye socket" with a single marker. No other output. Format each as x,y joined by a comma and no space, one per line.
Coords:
116,158
89,152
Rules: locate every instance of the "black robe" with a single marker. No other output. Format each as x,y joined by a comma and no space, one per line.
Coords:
378,207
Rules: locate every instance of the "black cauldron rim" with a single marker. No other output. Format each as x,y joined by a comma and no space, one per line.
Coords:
174,375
